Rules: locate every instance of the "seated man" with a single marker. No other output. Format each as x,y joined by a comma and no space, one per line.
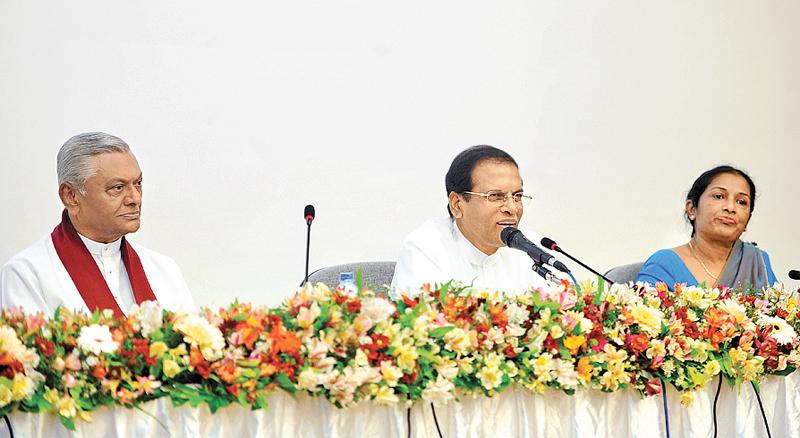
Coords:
484,191
86,262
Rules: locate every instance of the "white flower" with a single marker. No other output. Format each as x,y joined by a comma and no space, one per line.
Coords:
309,380
385,395
377,309
198,331
517,314
150,316
491,377
732,307
9,343
781,330
307,315
438,391
565,373
96,339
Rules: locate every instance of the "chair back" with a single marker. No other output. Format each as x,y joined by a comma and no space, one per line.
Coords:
377,275
624,273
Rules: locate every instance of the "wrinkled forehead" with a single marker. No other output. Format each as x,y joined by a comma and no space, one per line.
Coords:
492,174
116,165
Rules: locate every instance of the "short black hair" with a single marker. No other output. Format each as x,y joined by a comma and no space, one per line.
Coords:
704,180
459,176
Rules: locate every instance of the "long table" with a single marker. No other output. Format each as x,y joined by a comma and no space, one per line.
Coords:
514,413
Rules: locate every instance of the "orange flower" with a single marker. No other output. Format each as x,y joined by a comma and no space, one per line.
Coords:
499,316
573,343
226,369
584,368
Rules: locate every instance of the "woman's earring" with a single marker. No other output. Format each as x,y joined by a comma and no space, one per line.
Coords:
691,218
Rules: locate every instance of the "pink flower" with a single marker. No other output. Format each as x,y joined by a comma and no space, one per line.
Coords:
73,362
69,381
566,299
147,384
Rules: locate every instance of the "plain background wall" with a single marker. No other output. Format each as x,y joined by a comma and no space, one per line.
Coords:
241,113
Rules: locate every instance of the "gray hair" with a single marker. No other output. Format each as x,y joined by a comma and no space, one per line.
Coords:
74,159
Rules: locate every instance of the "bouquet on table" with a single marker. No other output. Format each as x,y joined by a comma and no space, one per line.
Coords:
438,345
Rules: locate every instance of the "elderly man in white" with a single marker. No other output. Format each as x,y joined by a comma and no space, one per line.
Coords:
86,263
484,191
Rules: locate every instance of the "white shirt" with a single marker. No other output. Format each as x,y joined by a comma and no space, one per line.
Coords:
109,259
37,280
437,252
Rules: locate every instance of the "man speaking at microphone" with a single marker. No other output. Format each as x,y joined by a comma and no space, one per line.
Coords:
86,263
484,196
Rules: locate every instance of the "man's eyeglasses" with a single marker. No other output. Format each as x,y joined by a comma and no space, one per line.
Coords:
499,198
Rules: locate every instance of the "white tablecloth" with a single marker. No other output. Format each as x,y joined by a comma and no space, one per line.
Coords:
514,413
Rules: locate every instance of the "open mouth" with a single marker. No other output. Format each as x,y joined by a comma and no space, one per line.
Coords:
508,223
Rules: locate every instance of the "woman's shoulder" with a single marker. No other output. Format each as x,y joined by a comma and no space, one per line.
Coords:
663,255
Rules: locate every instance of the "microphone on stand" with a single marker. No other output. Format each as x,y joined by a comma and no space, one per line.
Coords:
309,214
514,238
551,244
794,275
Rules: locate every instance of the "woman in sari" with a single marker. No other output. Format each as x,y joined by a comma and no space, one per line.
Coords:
718,206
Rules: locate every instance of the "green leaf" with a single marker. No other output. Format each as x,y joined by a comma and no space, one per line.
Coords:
438,333
601,284
360,279
69,423
785,372
443,289
286,383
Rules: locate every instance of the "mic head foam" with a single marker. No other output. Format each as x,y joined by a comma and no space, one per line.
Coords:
549,243
794,275
309,212
507,234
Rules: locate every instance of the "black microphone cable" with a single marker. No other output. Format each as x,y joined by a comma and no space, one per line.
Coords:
551,245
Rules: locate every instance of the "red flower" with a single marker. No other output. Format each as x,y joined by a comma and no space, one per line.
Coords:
409,378
412,303
509,351
637,343
199,362
652,387
551,344
233,389
46,347
354,305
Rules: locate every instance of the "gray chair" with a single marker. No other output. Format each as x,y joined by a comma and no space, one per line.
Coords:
624,273
377,275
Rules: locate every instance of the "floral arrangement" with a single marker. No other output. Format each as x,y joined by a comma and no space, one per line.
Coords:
437,345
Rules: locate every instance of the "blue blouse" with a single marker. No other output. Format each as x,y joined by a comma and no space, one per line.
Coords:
665,265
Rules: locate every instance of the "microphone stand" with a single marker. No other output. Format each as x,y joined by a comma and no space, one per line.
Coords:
308,249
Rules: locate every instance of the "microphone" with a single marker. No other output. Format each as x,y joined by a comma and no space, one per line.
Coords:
550,243
794,275
309,215
514,238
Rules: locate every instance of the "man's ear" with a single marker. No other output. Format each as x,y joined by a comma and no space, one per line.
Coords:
70,197
454,201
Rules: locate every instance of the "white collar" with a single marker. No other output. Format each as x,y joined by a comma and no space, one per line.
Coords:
102,249
471,253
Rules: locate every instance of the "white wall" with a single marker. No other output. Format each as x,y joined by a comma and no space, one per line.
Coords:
241,113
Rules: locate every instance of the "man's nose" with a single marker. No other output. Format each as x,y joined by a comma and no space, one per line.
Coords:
511,206
134,196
